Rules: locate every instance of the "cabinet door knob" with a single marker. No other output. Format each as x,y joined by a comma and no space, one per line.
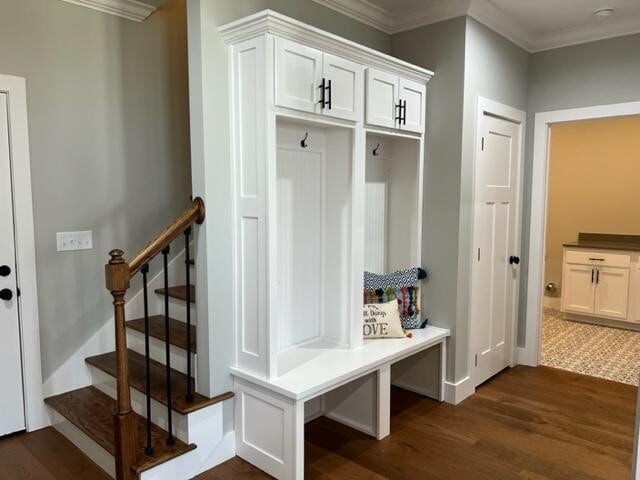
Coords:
514,260
6,294
5,270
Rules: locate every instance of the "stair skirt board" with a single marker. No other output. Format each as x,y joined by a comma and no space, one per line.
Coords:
135,341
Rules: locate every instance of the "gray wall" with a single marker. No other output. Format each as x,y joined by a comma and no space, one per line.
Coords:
108,126
496,69
597,73
441,48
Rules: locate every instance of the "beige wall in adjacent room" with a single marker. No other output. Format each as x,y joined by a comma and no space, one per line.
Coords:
593,183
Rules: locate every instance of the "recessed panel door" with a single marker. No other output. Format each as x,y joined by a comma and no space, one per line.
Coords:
382,98
298,76
11,391
612,292
345,93
495,266
578,288
413,98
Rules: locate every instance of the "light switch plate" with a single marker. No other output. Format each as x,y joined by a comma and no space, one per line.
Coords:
67,241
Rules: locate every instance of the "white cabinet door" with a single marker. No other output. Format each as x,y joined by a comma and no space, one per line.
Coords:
413,98
382,98
612,292
298,76
578,288
345,94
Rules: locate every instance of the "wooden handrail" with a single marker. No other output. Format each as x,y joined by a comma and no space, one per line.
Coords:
118,275
195,213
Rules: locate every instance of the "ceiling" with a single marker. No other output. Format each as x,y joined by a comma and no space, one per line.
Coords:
533,24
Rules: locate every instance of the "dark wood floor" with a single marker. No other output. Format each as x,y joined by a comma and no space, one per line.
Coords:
526,423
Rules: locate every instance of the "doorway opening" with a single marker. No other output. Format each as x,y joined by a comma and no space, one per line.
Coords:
591,315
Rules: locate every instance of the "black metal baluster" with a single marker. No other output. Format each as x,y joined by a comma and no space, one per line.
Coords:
145,270
187,234
165,255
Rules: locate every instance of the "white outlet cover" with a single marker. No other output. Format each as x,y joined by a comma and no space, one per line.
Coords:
68,241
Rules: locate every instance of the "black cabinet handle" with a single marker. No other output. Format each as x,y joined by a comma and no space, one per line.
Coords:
404,115
323,89
597,276
514,260
592,273
399,110
330,95
6,294
5,271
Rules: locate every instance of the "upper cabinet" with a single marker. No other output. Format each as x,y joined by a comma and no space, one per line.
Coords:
316,82
395,102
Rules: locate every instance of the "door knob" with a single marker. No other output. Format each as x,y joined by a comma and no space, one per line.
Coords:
6,294
5,270
514,260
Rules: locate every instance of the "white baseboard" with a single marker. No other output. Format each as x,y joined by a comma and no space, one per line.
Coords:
454,393
526,357
74,373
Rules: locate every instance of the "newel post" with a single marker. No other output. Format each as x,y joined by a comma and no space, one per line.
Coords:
125,428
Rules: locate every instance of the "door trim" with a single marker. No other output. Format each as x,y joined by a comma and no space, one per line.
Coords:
530,353
15,88
486,106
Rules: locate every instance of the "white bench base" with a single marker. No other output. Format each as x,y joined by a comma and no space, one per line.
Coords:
270,415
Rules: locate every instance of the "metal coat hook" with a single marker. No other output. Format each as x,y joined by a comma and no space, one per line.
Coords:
303,142
376,151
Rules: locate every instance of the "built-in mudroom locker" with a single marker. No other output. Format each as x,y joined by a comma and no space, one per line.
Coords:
327,152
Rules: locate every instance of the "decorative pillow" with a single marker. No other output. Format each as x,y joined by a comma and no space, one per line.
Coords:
382,320
401,286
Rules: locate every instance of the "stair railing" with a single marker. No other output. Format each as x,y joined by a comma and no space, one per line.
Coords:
118,276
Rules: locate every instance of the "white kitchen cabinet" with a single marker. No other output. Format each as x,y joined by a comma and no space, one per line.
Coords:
578,288
312,81
612,292
596,284
395,102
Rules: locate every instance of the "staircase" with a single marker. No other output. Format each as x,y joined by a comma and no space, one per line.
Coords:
141,418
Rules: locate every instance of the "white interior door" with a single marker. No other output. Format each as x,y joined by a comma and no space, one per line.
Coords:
298,76
612,292
11,392
578,288
494,276
382,98
346,87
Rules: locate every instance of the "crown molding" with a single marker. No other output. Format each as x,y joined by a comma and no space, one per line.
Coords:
484,12
274,23
130,9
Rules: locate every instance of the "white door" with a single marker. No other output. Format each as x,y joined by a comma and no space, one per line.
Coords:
495,264
382,98
578,288
413,98
345,94
612,292
11,391
298,76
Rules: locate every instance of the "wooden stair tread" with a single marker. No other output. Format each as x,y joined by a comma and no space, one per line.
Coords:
179,292
107,363
91,411
177,330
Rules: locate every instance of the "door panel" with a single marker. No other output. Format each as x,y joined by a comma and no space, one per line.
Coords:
494,279
414,94
11,394
612,292
346,87
578,288
298,76
382,98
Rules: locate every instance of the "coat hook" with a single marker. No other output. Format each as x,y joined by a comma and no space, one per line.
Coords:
303,142
376,151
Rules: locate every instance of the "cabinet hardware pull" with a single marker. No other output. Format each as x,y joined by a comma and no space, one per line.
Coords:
597,276
594,259
323,89
592,273
399,109
329,103
404,115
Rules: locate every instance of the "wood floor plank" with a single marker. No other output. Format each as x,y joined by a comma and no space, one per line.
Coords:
524,424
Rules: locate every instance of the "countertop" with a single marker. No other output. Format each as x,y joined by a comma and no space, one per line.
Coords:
604,241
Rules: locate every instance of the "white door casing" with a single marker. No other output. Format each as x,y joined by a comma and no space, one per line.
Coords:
12,415
494,279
